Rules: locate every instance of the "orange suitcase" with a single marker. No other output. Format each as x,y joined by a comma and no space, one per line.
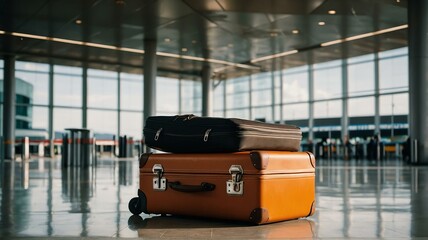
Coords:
258,187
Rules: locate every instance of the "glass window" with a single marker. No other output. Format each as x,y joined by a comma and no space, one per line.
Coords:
261,81
237,100
277,93
261,98
102,121
277,78
218,114
66,70
364,106
66,118
328,109
67,90
330,64
131,91
295,87
40,118
102,73
394,52
237,85
394,104
295,111
363,58
361,79
102,92
393,74
262,113
32,66
167,96
218,99
131,124
277,113
300,69
33,84
327,83
238,113
191,99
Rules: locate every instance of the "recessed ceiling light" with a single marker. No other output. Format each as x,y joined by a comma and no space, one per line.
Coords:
78,21
321,23
184,49
398,1
332,12
295,31
167,39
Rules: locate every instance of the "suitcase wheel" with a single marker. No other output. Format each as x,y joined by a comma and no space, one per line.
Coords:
135,206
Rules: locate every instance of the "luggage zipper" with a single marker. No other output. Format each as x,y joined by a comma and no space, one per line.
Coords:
158,133
207,133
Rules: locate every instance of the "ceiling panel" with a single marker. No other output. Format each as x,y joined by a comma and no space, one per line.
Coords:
236,31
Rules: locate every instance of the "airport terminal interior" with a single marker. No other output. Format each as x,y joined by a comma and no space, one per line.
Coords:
79,78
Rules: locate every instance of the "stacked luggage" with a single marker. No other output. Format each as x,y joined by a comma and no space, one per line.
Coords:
225,168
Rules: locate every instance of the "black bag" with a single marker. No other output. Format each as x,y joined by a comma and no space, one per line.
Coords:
188,133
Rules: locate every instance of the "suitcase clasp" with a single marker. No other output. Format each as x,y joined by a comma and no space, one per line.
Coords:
159,182
235,186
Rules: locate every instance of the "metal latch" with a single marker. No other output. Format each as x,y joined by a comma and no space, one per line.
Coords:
235,186
159,182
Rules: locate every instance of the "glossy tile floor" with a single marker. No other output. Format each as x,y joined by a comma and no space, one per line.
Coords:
355,199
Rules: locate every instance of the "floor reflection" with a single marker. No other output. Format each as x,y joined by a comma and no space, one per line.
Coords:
355,199
185,227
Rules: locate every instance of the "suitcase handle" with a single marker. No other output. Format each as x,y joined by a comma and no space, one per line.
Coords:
203,187
185,117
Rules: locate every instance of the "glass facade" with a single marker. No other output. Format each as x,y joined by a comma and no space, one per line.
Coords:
190,98
219,98
365,87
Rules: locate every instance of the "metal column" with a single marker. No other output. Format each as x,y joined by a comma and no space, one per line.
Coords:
150,72
418,79
85,96
207,91
377,102
50,113
345,97
9,103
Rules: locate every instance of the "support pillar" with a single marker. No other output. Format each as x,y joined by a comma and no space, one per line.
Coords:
345,116
377,101
150,72
207,91
418,79
51,134
85,96
9,92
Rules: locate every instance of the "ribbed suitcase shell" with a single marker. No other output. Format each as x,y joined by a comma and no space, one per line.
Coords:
276,185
